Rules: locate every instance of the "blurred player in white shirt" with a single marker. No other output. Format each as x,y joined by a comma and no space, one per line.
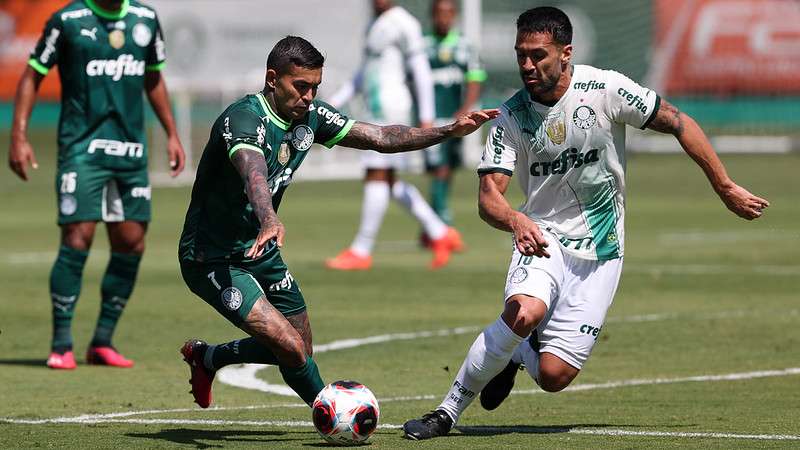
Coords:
563,136
394,48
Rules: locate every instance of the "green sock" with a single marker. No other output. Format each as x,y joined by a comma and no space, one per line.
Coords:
242,351
305,380
115,290
65,287
440,193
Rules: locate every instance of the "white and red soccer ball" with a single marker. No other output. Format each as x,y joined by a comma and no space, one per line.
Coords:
345,413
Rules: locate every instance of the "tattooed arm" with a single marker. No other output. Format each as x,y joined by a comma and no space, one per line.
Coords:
695,143
252,167
400,138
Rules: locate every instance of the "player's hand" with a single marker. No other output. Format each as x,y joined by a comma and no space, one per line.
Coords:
20,155
272,229
176,156
742,202
470,122
528,237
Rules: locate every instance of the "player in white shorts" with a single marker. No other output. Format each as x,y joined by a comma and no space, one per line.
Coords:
563,137
394,48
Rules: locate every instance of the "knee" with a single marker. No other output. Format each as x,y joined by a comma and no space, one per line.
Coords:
295,352
554,378
76,239
128,246
523,315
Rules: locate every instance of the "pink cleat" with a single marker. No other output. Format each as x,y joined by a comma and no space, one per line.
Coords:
107,356
201,377
62,362
349,260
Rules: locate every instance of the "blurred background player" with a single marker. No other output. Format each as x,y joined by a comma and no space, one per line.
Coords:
256,146
457,77
563,135
108,52
394,48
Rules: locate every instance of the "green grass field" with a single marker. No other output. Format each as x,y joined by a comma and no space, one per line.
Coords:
703,294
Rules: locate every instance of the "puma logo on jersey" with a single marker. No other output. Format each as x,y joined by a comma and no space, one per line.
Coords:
89,33
569,158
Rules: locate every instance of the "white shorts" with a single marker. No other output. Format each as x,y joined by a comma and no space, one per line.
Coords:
376,160
577,292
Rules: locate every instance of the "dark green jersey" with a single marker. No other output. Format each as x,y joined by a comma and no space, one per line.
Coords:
220,223
453,62
102,58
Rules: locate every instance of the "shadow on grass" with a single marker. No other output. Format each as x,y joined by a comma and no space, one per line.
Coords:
213,438
33,362
486,430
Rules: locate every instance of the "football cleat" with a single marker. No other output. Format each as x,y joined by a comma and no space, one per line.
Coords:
349,260
107,356
499,387
65,361
444,246
201,377
433,424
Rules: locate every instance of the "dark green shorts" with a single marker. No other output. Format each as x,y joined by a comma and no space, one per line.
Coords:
446,154
232,288
93,194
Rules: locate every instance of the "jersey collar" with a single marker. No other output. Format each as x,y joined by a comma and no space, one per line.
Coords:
273,117
105,14
451,38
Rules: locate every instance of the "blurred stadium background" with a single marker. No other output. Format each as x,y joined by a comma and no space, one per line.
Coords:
734,65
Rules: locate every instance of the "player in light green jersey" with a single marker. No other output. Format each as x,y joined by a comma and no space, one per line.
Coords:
230,248
108,53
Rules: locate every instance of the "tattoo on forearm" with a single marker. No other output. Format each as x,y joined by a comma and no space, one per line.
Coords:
252,167
668,119
393,138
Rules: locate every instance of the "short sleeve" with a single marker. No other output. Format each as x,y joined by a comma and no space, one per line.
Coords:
500,152
630,103
156,51
332,125
243,129
49,48
475,71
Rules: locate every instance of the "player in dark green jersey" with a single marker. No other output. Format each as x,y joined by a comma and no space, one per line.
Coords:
457,78
108,52
229,250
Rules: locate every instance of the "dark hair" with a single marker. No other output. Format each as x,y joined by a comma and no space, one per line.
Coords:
546,19
294,50
435,3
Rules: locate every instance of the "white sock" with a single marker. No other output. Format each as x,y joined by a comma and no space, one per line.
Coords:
524,354
373,208
487,357
408,196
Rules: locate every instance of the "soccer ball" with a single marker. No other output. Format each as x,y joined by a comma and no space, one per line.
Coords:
345,413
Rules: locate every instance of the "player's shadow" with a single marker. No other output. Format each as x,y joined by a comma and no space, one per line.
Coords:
214,438
32,362
488,430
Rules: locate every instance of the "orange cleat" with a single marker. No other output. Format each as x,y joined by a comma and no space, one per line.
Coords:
62,362
349,260
107,356
201,377
444,246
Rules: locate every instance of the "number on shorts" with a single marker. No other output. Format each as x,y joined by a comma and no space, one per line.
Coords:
524,260
69,181
212,277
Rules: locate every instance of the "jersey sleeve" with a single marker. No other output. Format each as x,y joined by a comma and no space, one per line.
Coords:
243,129
156,51
332,125
412,42
500,152
475,71
49,48
630,103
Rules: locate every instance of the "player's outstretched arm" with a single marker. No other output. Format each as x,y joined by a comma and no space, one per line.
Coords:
400,138
252,167
695,143
20,152
495,210
156,89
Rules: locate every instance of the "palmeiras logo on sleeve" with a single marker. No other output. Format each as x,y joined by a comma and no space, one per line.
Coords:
519,275
302,137
584,117
232,298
